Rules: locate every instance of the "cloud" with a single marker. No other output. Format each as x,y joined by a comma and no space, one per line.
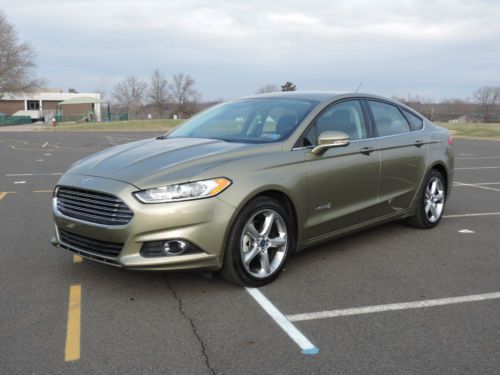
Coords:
436,48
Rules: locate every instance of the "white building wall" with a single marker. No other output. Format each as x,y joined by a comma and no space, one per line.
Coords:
55,96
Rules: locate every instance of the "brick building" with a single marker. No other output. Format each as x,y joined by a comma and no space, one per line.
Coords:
43,106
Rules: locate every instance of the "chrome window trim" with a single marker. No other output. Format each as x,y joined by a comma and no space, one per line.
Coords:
302,148
392,135
369,139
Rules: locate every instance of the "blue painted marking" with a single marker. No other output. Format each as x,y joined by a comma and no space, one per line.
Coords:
310,351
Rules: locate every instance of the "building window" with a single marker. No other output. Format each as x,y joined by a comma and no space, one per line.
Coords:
33,105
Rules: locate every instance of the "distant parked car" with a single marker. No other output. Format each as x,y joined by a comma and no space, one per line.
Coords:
243,185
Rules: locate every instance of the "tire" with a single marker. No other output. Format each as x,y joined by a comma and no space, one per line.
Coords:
262,231
431,202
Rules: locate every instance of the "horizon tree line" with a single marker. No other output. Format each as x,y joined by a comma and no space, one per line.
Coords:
178,94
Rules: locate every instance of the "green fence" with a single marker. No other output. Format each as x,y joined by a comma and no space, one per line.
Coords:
14,120
119,117
71,118
89,117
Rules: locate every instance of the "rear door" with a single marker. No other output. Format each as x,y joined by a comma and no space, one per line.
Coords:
403,154
343,182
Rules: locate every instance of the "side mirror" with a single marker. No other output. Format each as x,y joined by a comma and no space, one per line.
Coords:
329,139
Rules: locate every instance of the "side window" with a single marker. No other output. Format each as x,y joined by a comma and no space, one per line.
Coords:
388,119
416,123
346,117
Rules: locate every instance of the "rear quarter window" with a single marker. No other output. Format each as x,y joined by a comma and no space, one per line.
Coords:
416,123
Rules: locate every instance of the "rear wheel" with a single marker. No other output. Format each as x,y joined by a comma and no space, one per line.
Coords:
258,244
430,205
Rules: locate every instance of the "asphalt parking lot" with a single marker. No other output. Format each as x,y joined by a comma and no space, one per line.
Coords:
391,299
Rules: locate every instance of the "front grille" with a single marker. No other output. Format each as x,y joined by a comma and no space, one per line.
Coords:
89,246
92,206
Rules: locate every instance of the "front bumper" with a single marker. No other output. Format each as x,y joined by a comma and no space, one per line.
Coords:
202,222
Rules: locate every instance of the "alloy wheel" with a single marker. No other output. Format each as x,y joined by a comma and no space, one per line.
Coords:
434,199
264,243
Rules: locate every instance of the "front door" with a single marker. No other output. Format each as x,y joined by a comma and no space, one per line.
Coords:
343,182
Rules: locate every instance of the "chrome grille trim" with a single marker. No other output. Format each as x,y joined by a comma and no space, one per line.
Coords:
91,206
71,197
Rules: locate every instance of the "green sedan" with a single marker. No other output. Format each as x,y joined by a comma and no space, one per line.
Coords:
245,184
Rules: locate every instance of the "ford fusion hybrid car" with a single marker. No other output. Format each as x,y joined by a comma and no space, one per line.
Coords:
245,184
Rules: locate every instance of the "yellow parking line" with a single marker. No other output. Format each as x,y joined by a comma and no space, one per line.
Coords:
72,351
4,193
42,191
77,259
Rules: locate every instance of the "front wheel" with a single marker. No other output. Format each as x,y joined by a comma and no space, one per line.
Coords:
259,243
430,205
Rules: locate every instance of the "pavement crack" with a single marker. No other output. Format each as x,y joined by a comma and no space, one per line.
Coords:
180,305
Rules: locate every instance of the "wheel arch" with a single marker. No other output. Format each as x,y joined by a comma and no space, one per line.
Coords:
275,193
441,168
287,203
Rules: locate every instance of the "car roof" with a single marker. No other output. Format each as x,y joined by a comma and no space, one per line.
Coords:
304,95
314,95
323,96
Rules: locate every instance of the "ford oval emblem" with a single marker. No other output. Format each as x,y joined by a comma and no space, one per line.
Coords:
87,181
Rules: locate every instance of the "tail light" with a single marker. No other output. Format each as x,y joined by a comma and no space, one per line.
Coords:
450,140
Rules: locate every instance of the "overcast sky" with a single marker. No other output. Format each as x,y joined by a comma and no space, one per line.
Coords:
436,49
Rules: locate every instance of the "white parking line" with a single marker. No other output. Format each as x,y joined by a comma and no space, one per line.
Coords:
475,186
393,307
495,167
479,157
32,174
297,336
110,140
466,231
470,215
483,183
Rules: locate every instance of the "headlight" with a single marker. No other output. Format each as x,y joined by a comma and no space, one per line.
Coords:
183,192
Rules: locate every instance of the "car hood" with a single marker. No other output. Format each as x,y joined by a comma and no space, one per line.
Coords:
154,162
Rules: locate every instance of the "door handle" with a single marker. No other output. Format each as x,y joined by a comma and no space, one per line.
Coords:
367,150
419,142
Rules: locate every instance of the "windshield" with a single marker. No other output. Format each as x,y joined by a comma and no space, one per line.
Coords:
247,120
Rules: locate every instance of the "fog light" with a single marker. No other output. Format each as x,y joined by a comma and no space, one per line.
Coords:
174,247
168,248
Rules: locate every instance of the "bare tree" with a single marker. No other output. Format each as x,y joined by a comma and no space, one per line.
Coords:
183,94
488,97
129,95
17,66
267,88
158,92
288,86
